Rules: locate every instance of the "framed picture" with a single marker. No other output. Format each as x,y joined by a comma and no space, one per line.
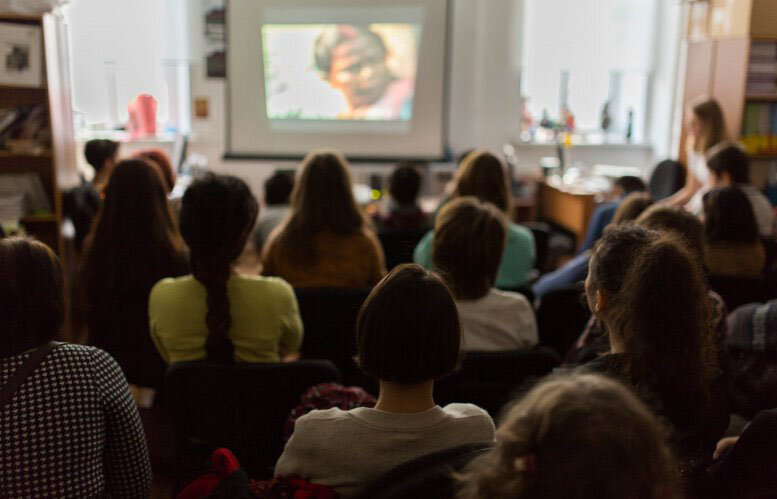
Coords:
21,55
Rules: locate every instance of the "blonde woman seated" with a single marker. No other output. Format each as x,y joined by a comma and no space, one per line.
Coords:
326,240
469,240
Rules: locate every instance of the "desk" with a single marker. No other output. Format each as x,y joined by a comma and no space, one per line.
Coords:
566,206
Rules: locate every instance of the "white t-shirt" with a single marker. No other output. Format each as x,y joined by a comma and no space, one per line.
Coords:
499,321
762,209
697,162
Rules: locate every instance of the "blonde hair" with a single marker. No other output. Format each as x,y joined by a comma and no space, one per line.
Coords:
713,124
575,436
482,175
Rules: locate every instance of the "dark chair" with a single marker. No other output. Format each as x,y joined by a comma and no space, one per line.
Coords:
737,291
488,379
242,407
398,246
561,317
667,178
329,318
542,233
426,476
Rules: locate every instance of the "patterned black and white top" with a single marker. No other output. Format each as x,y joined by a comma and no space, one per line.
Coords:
72,429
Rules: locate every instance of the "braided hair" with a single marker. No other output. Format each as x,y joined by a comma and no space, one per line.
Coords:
217,215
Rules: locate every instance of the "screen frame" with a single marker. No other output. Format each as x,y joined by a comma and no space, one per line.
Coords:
445,154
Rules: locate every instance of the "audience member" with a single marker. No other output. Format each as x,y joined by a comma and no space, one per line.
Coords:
81,204
469,239
733,247
576,269
575,436
604,212
484,177
134,243
69,424
214,313
161,160
651,294
408,336
731,167
706,135
326,240
277,194
404,213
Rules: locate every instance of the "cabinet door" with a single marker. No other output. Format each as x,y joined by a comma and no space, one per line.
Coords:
729,80
699,57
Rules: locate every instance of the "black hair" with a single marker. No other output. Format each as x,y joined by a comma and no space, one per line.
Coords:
217,215
404,184
97,151
329,39
277,188
729,217
732,160
408,329
630,184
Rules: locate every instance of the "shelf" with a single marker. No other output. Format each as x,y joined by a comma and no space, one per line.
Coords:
763,156
33,219
11,154
763,98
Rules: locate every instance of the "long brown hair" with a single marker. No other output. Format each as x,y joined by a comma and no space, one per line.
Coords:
134,243
713,124
657,306
482,175
217,215
580,435
322,199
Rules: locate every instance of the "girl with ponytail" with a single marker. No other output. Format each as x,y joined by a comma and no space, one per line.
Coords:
215,313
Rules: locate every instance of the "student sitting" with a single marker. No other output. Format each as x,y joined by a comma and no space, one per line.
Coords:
326,240
651,294
731,167
69,427
134,244
733,248
576,436
214,313
469,240
277,193
404,213
483,176
408,336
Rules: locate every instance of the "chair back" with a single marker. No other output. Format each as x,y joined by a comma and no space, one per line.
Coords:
737,291
398,246
542,233
329,317
667,178
427,476
561,317
242,407
488,379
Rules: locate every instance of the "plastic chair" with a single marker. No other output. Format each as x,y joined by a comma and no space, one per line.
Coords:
561,317
426,476
398,246
242,407
488,379
667,178
329,317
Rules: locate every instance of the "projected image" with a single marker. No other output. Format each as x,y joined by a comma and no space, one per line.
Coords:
340,72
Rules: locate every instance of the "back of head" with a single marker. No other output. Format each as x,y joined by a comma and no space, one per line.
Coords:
277,189
631,207
31,295
217,215
96,151
482,175
713,125
405,183
408,329
677,221
656,304
729,217
731,160
322,200
469,239
629,184
161,160
575,437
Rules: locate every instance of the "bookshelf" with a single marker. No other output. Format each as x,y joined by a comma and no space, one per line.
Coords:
50,154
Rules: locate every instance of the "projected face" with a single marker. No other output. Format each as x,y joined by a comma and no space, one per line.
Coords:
358,67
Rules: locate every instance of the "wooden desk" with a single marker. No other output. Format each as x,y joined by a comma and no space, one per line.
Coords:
567,208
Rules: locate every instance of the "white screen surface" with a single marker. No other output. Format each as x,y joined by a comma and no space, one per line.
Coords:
362,76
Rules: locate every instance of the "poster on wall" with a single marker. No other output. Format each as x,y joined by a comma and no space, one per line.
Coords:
215,43
21,55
